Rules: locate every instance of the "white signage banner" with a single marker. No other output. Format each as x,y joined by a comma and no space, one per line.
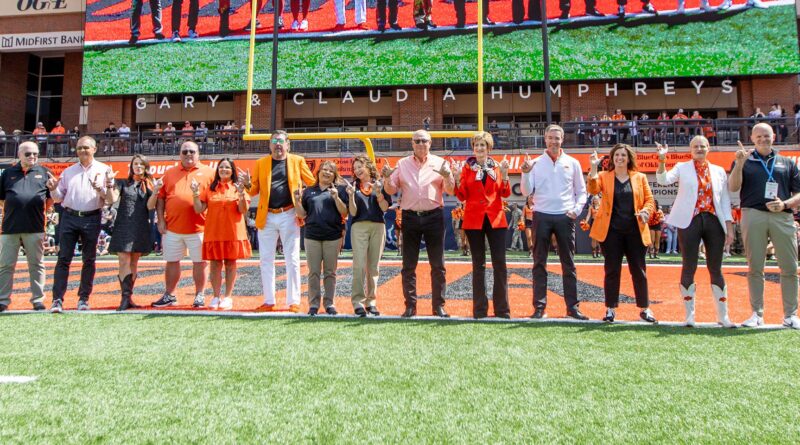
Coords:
32,8
63,40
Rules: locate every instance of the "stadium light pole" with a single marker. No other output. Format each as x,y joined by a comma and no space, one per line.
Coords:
546,65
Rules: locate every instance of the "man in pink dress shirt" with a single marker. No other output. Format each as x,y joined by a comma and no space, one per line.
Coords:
422,179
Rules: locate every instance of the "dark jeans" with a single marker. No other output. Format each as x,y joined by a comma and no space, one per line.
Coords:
431,228
497,247
630,245
544,225
381,14
461,12
194,6
706,227
73,228
136,16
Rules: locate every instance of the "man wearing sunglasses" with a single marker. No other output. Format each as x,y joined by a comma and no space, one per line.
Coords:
83,189
276,179
24,197
422,179
180,226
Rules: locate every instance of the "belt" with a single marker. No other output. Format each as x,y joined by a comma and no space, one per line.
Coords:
84,213
423,212
282,209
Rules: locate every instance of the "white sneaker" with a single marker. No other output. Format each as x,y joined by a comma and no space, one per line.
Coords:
792,322
304,25
295,25
725,5
226,304
754,321
214,303
758,4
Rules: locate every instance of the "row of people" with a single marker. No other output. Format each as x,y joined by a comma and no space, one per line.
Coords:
191,193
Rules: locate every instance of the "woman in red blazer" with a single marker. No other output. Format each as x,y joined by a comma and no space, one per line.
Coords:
621,225
482,183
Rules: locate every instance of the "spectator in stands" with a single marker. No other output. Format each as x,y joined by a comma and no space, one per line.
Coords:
83,189
24,198
516,232
422,178
701,213
654,223
770,188
2,135
367,205
621,225
620,132
109,141
201,133
187,132
681,131
758,114
697,123
136,20
664,123
181,227
482,183
124,137
225,241
527,214
556,181
169,133
276,181
132,237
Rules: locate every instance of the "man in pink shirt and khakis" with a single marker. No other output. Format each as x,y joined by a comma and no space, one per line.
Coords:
422,179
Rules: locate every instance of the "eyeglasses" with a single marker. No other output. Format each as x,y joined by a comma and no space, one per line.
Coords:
83,147
421,141
280,141
30,154
188,152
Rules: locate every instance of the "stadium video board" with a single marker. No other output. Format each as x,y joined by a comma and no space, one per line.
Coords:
143,46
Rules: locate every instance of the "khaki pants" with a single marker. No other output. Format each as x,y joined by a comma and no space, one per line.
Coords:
368,239
9,251
758,227
321,256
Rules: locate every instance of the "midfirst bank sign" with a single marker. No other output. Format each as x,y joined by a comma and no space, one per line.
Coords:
494,92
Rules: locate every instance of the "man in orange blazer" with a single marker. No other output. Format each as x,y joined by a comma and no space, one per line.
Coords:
277,180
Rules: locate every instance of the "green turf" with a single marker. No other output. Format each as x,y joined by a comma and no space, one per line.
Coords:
754,42
172,379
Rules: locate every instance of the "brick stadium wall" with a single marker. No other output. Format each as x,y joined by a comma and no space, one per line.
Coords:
103,110
13,78
72,101
592,103
261,114
763,92
415,109
41,23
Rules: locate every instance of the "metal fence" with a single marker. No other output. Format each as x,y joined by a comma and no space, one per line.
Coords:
521,136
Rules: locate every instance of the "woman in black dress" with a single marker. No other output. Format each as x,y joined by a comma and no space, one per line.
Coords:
132,236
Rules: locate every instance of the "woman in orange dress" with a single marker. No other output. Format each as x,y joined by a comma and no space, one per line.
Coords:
656,219
586,224
225,239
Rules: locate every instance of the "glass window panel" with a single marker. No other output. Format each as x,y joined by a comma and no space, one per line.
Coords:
52,66
52,86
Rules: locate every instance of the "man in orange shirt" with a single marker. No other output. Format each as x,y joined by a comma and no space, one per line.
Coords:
619,131
59,130
180,226
40,134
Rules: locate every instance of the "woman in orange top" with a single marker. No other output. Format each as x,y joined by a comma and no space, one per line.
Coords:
655,221
527,215
621,225
586,224
482,183
225,240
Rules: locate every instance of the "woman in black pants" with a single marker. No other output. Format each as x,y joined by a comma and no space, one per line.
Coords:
621,225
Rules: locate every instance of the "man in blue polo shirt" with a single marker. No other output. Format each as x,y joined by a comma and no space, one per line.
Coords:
24,197
770,187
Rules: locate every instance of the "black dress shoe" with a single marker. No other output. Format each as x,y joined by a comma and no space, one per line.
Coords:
649,8
564,15
330,310
313,311
409,312
372,310
381,28
487,21
38,307
539,313
647,315
506,316
395,27
440,312
479,316
3,307
576,314
431,24
133,40
595,13
461,25
361,312
159,36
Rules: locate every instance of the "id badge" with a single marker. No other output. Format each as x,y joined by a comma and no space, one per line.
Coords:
771,190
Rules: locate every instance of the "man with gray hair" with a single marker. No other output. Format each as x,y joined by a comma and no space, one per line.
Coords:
24,197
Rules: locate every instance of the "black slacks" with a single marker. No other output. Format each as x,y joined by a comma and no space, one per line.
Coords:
705,227
381,12
544,225
497,248
461,11
630,245
429,227
194,8
74,228
136,16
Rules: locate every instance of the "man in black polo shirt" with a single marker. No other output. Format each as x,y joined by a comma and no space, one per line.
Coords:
24,197
770,186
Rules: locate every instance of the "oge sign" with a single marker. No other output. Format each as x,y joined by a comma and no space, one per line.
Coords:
38,7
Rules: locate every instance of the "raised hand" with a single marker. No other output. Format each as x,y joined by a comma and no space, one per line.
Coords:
387,169
97,183
504,165
239,187
195,186
743,153
444,170
110,177
349,188
52,181
594,159
527,164
244,177
334,193
662,151
157,184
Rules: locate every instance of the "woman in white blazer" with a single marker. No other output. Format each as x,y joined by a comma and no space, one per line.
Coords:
702,211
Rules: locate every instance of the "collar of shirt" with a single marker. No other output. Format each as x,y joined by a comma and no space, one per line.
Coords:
192,168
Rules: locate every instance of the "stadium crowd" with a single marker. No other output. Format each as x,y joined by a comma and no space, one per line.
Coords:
205,212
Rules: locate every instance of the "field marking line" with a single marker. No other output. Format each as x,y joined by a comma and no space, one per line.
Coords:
17,379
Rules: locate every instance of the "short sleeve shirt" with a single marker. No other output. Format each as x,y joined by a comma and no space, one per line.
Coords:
754,180
367,206
25,195
323,220
177,193
223,209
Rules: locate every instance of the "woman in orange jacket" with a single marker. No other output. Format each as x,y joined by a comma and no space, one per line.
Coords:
482,183
621,225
